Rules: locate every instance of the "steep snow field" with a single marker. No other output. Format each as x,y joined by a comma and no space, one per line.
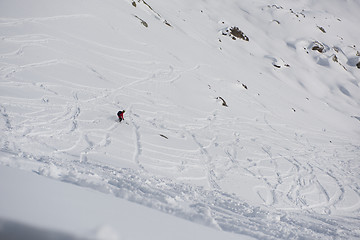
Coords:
243,116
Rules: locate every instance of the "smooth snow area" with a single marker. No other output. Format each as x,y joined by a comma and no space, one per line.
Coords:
241,116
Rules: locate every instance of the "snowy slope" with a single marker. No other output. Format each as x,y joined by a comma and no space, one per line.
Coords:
72,212
257,136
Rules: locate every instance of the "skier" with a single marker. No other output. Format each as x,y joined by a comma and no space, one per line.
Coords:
120,114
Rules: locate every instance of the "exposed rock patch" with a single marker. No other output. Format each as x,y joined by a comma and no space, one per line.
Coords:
321,29
223,101
162,135
157,15
142,21
317,46
235,33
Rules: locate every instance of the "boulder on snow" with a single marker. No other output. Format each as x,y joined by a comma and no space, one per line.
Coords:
223,101
317,46
321,29
235,33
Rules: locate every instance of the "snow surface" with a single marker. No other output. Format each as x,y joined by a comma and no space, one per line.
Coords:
260,138
85,213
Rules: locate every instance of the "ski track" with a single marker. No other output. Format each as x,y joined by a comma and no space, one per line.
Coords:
210,206
293,175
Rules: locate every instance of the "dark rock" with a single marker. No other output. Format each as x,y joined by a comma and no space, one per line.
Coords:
235,31
223,101
161,135
277,21
318,47
321,29
167,23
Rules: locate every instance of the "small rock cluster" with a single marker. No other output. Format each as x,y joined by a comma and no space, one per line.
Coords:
235,33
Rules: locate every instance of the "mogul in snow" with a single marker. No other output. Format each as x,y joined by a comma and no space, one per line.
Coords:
120,115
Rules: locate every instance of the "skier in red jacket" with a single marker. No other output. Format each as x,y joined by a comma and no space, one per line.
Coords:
120,114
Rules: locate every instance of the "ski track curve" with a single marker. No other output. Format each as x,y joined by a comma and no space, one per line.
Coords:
83,140
212,206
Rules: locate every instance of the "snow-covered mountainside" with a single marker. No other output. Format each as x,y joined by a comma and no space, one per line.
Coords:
243,116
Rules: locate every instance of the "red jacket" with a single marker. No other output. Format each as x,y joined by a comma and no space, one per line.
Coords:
121,115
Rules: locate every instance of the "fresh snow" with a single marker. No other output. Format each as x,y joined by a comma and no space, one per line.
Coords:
230,138
84,213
